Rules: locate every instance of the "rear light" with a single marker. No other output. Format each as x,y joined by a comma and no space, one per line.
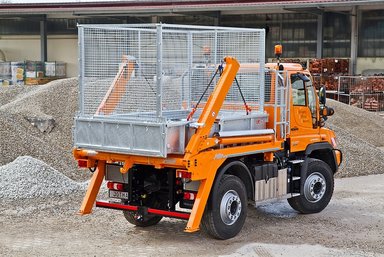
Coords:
183,174
115,186
189,196
82,163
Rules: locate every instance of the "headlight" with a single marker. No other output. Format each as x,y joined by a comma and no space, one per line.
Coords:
333,142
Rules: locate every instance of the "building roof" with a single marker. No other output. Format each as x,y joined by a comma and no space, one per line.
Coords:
174,6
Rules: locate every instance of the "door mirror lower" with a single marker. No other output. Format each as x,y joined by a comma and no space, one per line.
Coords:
327,111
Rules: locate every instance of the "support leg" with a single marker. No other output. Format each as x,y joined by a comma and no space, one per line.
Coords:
93,189
199,205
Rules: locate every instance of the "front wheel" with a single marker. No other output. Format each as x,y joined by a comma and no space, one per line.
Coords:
318,188
226,211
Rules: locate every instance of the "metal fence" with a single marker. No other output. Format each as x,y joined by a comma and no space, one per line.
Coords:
153,71
365,92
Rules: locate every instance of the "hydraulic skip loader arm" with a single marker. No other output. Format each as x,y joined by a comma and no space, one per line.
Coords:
203,164
118,86
198,160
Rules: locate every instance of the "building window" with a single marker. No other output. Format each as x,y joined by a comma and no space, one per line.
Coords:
337,35
297,32
371,38
298,35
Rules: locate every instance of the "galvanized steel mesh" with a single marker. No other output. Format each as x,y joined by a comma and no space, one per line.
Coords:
365,92
156,71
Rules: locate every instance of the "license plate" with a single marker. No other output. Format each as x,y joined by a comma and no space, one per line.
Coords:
118,194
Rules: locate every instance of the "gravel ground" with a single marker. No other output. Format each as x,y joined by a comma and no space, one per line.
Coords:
351,225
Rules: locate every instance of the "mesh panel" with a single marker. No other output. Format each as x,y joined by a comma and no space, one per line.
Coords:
154,71
365,92
103,60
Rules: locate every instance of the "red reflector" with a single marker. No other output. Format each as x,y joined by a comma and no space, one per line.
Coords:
183,174
189,196
82,163
119,186
115,186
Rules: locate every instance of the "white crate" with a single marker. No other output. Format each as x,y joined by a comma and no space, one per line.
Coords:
55,69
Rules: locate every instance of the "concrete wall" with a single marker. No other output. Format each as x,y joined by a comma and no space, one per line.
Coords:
60,48
64,48
369,63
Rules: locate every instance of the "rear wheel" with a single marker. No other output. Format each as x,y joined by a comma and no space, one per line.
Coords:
144,219
141,220
226,210
318,188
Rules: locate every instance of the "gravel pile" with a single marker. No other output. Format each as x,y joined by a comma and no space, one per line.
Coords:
359,135
27,177
8,94
368,126
56,100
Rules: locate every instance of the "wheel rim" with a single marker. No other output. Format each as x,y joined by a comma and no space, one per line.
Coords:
314,187
230,207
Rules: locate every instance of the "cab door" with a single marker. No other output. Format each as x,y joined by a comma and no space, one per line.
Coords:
304,115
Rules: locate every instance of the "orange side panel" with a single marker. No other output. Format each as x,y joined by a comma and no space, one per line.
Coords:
249,139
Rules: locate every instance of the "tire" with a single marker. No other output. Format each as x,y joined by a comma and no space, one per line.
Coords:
226,210
318,188
141,221
144,220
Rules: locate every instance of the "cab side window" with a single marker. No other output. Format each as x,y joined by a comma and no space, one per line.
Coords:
303,94
298,91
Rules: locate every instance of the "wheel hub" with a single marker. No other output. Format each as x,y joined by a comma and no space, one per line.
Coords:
230,207
314,187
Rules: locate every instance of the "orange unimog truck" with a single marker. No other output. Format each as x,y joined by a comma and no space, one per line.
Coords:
189,122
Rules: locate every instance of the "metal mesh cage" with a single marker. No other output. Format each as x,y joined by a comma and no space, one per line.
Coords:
365,92
159,71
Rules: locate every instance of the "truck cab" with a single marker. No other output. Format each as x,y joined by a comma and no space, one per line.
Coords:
308,112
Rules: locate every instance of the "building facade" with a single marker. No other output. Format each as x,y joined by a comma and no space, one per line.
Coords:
351,29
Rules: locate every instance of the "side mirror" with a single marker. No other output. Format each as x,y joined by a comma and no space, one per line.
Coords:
322,95
325,111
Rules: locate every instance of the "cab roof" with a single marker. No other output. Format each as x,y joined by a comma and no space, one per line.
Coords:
287,66
249,67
